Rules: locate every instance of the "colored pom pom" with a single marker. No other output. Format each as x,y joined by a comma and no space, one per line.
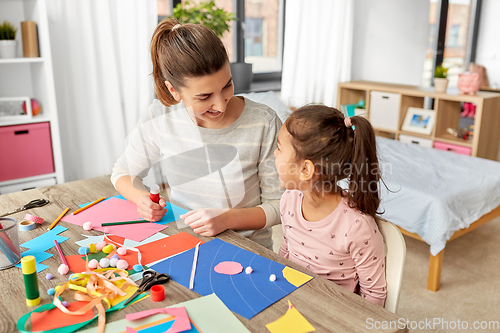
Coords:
272,278
87,226
99,246
248,270
65,304
83,250
92,248
137,268
93,263
51,291
122,264
104,262
107,249
115,256
113,261
63,269
122,251
49,276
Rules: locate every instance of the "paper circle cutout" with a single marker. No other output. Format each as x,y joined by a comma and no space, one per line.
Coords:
228,268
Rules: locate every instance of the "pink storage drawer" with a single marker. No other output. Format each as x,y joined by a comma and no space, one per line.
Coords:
25,150
454,148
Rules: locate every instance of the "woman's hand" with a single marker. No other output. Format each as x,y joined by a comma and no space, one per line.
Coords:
149,210
207,221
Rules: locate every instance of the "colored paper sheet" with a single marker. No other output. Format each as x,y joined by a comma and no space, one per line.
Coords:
245,294
295,277
173,211
150,252
38,245
116,210
291,322
228,268
55,318
207,313
180,324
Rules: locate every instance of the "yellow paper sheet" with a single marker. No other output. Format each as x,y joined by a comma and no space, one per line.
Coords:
291,322
295,277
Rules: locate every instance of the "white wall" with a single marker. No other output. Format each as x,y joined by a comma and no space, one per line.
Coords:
488,44
390,40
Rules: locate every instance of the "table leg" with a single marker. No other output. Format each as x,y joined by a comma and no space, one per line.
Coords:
435,265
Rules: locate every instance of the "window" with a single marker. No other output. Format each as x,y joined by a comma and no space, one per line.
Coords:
458,26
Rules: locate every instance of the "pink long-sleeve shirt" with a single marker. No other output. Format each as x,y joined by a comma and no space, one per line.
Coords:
345,247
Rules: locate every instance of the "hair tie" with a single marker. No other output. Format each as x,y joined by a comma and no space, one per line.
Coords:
347,122
176,26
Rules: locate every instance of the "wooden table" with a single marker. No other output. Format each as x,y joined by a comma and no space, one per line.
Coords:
327,306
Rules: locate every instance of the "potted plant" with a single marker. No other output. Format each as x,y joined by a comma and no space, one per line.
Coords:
217,19
440,80
7,40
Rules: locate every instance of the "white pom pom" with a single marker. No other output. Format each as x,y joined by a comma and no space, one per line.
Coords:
113,261
248,270
104,262
272,278
87,226
122,264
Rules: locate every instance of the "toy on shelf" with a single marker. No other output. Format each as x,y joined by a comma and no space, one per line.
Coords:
464,133
468,83
469,110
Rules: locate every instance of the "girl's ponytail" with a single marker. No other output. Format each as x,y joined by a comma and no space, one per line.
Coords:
365,170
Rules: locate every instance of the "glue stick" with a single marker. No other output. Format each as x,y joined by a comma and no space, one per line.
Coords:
28,266
154,193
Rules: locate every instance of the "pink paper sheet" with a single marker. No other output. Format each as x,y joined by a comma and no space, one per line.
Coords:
116,210
228,268
181,318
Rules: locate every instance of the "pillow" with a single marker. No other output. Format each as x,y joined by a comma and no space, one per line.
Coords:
270,99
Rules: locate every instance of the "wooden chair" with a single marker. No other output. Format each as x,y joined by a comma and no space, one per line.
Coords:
394,262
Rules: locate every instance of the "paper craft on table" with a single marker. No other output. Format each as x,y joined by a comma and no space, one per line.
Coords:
207,313
180,324
150,252
115,210
38,245
245,294
291,322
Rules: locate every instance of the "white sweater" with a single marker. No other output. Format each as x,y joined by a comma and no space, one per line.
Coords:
231,167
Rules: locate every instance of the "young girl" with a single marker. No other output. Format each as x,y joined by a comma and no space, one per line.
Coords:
326,229
215,149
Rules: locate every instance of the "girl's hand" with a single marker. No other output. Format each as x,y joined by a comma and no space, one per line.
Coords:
150,210
207,221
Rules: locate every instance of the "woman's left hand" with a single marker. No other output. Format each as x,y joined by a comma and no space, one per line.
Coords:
207,221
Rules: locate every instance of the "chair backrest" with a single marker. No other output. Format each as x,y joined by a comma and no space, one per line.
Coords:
394,262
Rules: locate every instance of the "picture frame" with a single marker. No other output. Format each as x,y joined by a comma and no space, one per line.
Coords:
418,120
11,108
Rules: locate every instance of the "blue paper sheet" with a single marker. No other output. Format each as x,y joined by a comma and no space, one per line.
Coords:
245,294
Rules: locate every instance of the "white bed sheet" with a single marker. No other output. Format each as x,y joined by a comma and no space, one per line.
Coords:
436,192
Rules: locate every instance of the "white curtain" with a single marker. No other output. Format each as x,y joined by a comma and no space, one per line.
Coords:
317,50
102,67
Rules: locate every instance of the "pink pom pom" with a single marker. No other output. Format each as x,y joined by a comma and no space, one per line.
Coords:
93,263
122,264
87,226
100,245
122,251
63,269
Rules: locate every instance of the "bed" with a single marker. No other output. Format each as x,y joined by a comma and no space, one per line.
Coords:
436,196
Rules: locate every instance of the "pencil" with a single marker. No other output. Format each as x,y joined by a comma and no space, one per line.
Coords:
58,219
89,205
123,222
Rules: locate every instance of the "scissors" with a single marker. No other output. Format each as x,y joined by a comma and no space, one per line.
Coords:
32,204
149,279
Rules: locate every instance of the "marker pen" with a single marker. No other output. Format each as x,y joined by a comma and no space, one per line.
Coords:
154,193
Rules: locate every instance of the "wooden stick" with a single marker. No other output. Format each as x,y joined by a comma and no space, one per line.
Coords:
88,206
123,222
58,219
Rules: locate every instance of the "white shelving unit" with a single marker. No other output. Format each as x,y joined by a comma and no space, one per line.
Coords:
31,77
